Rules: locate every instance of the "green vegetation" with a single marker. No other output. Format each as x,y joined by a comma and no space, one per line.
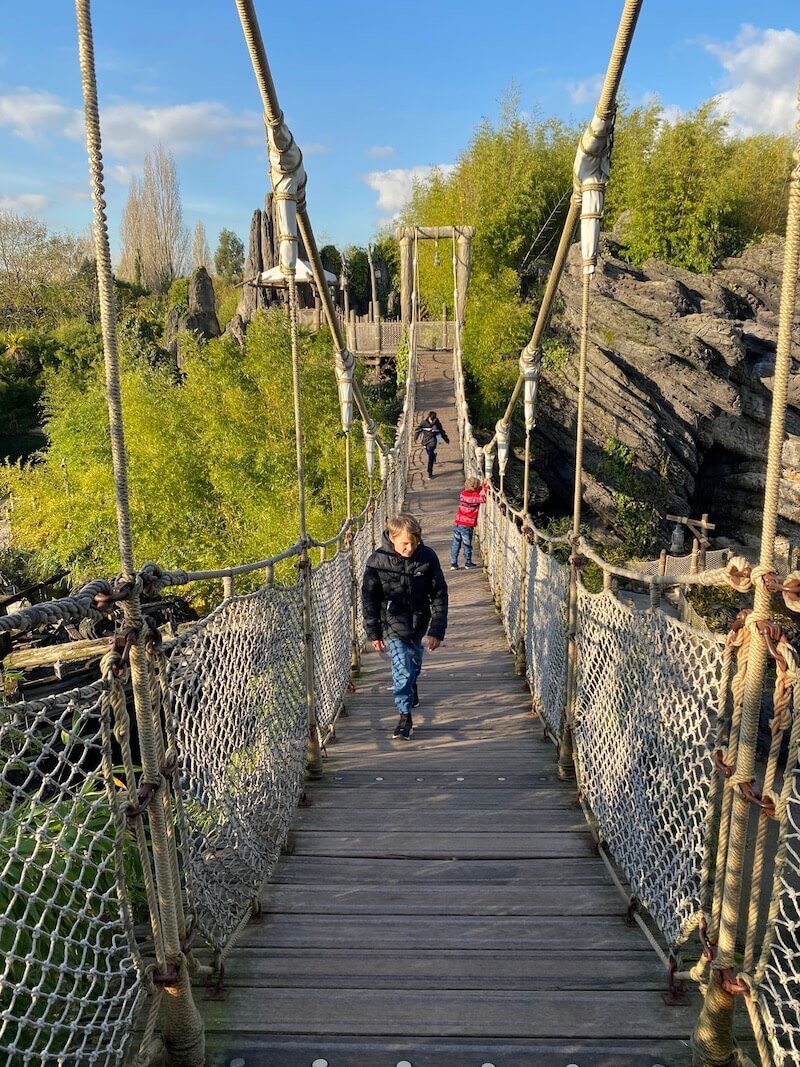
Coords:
637,498
211,450
229,257
686,192
211,458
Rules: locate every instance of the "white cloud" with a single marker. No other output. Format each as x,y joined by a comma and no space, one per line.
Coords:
25,203
380,151
30,114
586,91
129,131
394,187
762,68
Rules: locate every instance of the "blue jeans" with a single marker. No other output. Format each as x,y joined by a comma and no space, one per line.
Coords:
462,535
406,665
431,460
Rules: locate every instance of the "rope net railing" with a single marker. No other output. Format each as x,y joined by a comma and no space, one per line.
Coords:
72,977
645,715
647,689
78,948
660,720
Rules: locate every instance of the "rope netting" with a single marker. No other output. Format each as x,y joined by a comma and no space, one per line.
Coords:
330,590
778,999
71,976
546,635
647,690
232,691
237,690
645,721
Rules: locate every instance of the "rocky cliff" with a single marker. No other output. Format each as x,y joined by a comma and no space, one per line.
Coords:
680,370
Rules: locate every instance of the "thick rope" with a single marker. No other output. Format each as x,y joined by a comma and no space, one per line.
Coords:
605,107
105,283
183,1026
713,1035
565,760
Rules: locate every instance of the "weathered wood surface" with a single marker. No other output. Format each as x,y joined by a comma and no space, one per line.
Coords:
443,903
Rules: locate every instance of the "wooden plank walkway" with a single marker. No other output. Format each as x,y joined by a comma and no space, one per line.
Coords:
443,905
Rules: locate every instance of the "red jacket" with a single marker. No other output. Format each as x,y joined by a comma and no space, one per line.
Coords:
468,505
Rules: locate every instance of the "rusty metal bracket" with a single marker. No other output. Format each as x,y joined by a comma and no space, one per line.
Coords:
709,949
772,634
725,769
753,796
169,977
144,794
675,995
215,985
731,984
105,601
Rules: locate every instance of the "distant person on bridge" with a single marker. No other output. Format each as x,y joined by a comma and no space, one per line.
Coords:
430,431
472,496
404,596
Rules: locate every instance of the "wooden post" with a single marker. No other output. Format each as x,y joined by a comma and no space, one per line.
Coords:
703,540
463,252
662,562
227,586
403,235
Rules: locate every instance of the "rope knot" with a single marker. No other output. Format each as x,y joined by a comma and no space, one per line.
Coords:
738,574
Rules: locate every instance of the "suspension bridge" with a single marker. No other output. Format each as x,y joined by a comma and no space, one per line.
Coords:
578,859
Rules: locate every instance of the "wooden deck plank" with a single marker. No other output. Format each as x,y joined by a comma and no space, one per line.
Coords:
464,968
333,899
432,818
417,844
443,901
459,1013
380,1051
572,874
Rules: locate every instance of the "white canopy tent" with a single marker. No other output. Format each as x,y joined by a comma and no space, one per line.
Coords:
276,278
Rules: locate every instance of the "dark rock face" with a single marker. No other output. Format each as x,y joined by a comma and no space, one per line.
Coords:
262,254
200,317
680,370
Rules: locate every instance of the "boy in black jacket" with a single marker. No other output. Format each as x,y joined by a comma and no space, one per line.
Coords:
430,430
404,596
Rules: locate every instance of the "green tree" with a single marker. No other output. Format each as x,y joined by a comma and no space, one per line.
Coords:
229,257
155,241
331,259
211,458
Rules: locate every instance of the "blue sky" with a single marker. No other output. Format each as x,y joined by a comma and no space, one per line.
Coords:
373,92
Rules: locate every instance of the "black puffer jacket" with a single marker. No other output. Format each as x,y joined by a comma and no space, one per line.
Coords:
404,598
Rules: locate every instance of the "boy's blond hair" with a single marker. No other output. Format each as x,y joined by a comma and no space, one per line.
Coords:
472,483
403,522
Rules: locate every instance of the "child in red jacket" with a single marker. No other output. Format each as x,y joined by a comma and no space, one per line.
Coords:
472,496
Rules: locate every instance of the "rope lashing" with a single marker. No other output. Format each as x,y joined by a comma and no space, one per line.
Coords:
80,605
345,369
530,366
591,171
503,434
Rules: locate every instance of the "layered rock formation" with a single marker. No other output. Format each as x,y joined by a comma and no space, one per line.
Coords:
680,370
200,316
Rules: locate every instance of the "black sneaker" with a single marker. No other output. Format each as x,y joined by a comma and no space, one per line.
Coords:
415,699
454,567
404,728
470,565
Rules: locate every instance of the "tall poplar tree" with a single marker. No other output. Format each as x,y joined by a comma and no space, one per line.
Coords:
155,241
